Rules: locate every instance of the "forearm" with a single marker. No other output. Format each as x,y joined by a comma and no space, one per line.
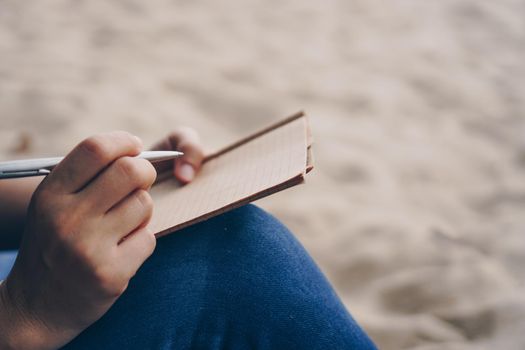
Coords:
15,195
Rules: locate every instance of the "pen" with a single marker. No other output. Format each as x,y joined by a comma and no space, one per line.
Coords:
43,166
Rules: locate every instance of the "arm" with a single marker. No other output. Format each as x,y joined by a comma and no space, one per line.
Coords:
15,195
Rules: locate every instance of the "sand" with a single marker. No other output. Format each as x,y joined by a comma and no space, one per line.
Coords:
416,208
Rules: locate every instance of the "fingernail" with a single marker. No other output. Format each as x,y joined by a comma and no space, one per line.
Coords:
186,172
138,139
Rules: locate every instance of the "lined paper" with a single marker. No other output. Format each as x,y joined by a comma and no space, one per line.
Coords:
258,166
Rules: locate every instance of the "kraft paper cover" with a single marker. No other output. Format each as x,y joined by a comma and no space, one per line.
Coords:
269,161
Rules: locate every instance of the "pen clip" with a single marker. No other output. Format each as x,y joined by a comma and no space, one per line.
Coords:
14,174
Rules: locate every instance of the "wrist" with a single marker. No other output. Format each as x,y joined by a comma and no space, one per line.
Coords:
17,329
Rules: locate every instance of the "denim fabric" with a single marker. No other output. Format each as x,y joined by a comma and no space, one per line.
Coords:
237,281
7,259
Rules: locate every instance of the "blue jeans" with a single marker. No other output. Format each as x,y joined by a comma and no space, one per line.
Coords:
237,281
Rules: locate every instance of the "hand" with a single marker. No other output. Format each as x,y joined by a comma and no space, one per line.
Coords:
85,237
187,141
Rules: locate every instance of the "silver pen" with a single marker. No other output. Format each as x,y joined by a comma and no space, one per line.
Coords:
43,166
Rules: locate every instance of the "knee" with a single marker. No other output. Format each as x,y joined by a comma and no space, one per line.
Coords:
238,250
241,235
250,243
251,261
248,225
247,233
238,259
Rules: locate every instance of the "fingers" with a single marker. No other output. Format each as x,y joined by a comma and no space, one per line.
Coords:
187,141
136,248
116,182
90,157
131,213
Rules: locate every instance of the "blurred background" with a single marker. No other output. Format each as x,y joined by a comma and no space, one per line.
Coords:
416,208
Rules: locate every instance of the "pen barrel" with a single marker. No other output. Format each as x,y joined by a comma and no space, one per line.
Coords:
43,166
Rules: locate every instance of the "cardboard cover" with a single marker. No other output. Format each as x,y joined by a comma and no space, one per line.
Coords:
266,162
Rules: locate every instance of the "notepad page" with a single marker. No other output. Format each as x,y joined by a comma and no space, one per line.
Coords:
264,162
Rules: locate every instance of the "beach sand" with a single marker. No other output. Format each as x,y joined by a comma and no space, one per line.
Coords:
416,208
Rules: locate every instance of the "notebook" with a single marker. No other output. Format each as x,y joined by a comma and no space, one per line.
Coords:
269,161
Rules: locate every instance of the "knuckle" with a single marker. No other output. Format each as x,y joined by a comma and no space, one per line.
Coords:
108,282
151,173
199,153
145,200
125,135
118,289
139,171
184,136
192,150
129,168
192,147
127,139
97,147
150,242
